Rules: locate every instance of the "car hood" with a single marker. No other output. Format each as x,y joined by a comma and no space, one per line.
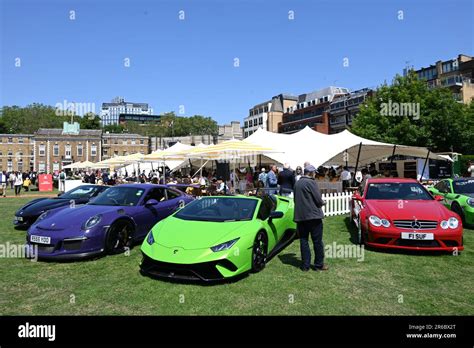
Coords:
37,206
69,217
186,234
408,209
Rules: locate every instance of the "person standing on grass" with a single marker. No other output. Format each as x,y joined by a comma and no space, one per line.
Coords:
11,179
18,183
309,219
3,183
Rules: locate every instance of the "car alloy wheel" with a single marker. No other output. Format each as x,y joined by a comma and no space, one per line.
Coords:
259,251
119,237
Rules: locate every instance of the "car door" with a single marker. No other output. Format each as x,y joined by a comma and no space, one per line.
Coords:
175,200
449,196
146,216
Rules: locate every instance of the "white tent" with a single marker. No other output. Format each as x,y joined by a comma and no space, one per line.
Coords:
317,148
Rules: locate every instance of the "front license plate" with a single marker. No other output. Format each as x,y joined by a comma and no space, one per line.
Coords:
417,236
40,239
19,218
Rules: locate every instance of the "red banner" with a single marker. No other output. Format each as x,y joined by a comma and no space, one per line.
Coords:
45,182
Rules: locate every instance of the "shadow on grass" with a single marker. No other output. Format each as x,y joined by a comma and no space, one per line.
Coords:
290,259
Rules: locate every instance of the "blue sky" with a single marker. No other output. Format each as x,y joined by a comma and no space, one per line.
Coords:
190,62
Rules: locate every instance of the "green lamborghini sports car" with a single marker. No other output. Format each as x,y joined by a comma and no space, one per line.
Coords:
458,196
219,237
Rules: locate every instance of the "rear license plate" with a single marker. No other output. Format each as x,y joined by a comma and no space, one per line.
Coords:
40,239
417,236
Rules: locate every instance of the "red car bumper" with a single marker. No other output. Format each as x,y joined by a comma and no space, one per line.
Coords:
391,238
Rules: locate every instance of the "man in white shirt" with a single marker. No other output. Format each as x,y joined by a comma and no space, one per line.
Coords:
3,183
346,178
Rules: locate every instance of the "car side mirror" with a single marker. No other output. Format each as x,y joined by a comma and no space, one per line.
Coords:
438,198
276,215
151,202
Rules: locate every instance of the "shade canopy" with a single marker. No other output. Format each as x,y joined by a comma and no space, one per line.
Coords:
318,149
174,152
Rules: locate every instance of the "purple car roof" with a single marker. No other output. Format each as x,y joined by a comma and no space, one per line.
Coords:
143,186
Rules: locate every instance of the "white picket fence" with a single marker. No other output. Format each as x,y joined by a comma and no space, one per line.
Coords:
336,203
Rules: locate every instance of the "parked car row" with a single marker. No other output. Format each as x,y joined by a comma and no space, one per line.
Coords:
219,237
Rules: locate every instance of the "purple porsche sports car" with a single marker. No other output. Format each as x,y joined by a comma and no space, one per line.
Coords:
108,224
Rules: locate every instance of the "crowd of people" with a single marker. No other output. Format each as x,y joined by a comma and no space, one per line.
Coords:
16,181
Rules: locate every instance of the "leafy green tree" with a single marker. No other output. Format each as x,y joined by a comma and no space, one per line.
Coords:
90,121
437,121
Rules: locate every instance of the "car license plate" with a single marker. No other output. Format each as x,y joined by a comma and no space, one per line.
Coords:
417,236
40,239
19,218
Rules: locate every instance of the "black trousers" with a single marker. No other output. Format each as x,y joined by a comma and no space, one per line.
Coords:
17,189
315,229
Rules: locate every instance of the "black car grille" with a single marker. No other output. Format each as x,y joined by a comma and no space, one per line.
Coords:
42,248
416,224
417,243
198,271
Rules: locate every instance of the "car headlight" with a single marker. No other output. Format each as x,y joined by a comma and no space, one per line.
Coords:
375,220
385,223
470,202
92,221
224,246
42,216
444,224
150,240
453,223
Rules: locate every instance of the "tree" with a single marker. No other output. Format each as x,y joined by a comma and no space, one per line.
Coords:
434,119
90,121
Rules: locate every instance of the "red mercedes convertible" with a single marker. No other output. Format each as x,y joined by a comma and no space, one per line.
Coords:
402,214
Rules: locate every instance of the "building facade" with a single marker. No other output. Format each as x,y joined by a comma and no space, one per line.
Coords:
55,148
456,74
110,112
343,109
16,152
311,110
114,144
224,132
267,115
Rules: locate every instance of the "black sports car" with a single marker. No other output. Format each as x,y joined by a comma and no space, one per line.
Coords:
27,215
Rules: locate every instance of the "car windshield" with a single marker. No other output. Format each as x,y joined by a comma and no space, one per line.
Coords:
463,186
129,196
395,191
80,192
218,209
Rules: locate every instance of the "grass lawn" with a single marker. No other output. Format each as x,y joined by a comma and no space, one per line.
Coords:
381,284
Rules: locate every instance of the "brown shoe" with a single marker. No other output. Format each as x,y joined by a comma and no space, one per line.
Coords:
323,268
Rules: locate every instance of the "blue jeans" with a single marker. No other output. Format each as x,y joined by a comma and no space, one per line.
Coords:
315,229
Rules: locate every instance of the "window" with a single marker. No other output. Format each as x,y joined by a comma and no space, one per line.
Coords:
133,141
42,150
115,141
246,124
1,140
20,140
156,194
80,150
255,122
266,207
260,120
94,150
67,151
266,109
10,140
106,152
55,150
10,153
142,141
105,141
124,142
55,167
41,167
115,153
10,165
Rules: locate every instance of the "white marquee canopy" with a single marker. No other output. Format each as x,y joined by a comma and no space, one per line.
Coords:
317,148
